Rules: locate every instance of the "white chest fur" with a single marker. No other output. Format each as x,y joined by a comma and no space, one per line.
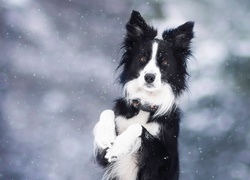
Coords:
141,118
125,168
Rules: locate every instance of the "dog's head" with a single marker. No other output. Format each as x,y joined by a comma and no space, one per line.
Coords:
154,70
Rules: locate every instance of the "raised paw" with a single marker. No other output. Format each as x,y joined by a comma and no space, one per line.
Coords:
104,131
119,149
126,143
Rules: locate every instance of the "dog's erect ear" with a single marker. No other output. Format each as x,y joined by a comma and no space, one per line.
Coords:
138,29
180,36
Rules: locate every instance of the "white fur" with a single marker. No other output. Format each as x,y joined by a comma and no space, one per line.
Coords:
121,153
163,97
124,168
122,123
126,143
104,131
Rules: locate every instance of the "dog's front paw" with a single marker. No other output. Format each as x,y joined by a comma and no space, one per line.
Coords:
126,143
104,131
120,148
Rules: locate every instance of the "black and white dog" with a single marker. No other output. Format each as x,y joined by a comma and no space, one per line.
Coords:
138,139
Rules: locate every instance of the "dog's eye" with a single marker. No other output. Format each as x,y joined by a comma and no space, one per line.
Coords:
164,62
142,59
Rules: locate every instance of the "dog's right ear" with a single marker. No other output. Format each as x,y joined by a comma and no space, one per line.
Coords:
138,29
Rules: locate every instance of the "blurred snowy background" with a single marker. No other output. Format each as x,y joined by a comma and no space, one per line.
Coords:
57,73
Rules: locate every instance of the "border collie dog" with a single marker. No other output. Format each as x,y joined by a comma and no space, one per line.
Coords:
138,139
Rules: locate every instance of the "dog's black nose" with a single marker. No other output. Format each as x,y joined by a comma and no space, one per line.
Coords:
149,78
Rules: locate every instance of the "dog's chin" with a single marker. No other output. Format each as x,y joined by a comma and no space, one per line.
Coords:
150,88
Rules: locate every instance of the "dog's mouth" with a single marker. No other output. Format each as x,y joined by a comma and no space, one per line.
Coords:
149,87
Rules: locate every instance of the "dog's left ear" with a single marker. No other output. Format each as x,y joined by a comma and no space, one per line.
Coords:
181,36
138,29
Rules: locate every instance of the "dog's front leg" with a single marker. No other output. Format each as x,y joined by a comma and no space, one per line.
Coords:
104,131
126,143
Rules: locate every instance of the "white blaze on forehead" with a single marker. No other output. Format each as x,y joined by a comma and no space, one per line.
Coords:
154,50
151,66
